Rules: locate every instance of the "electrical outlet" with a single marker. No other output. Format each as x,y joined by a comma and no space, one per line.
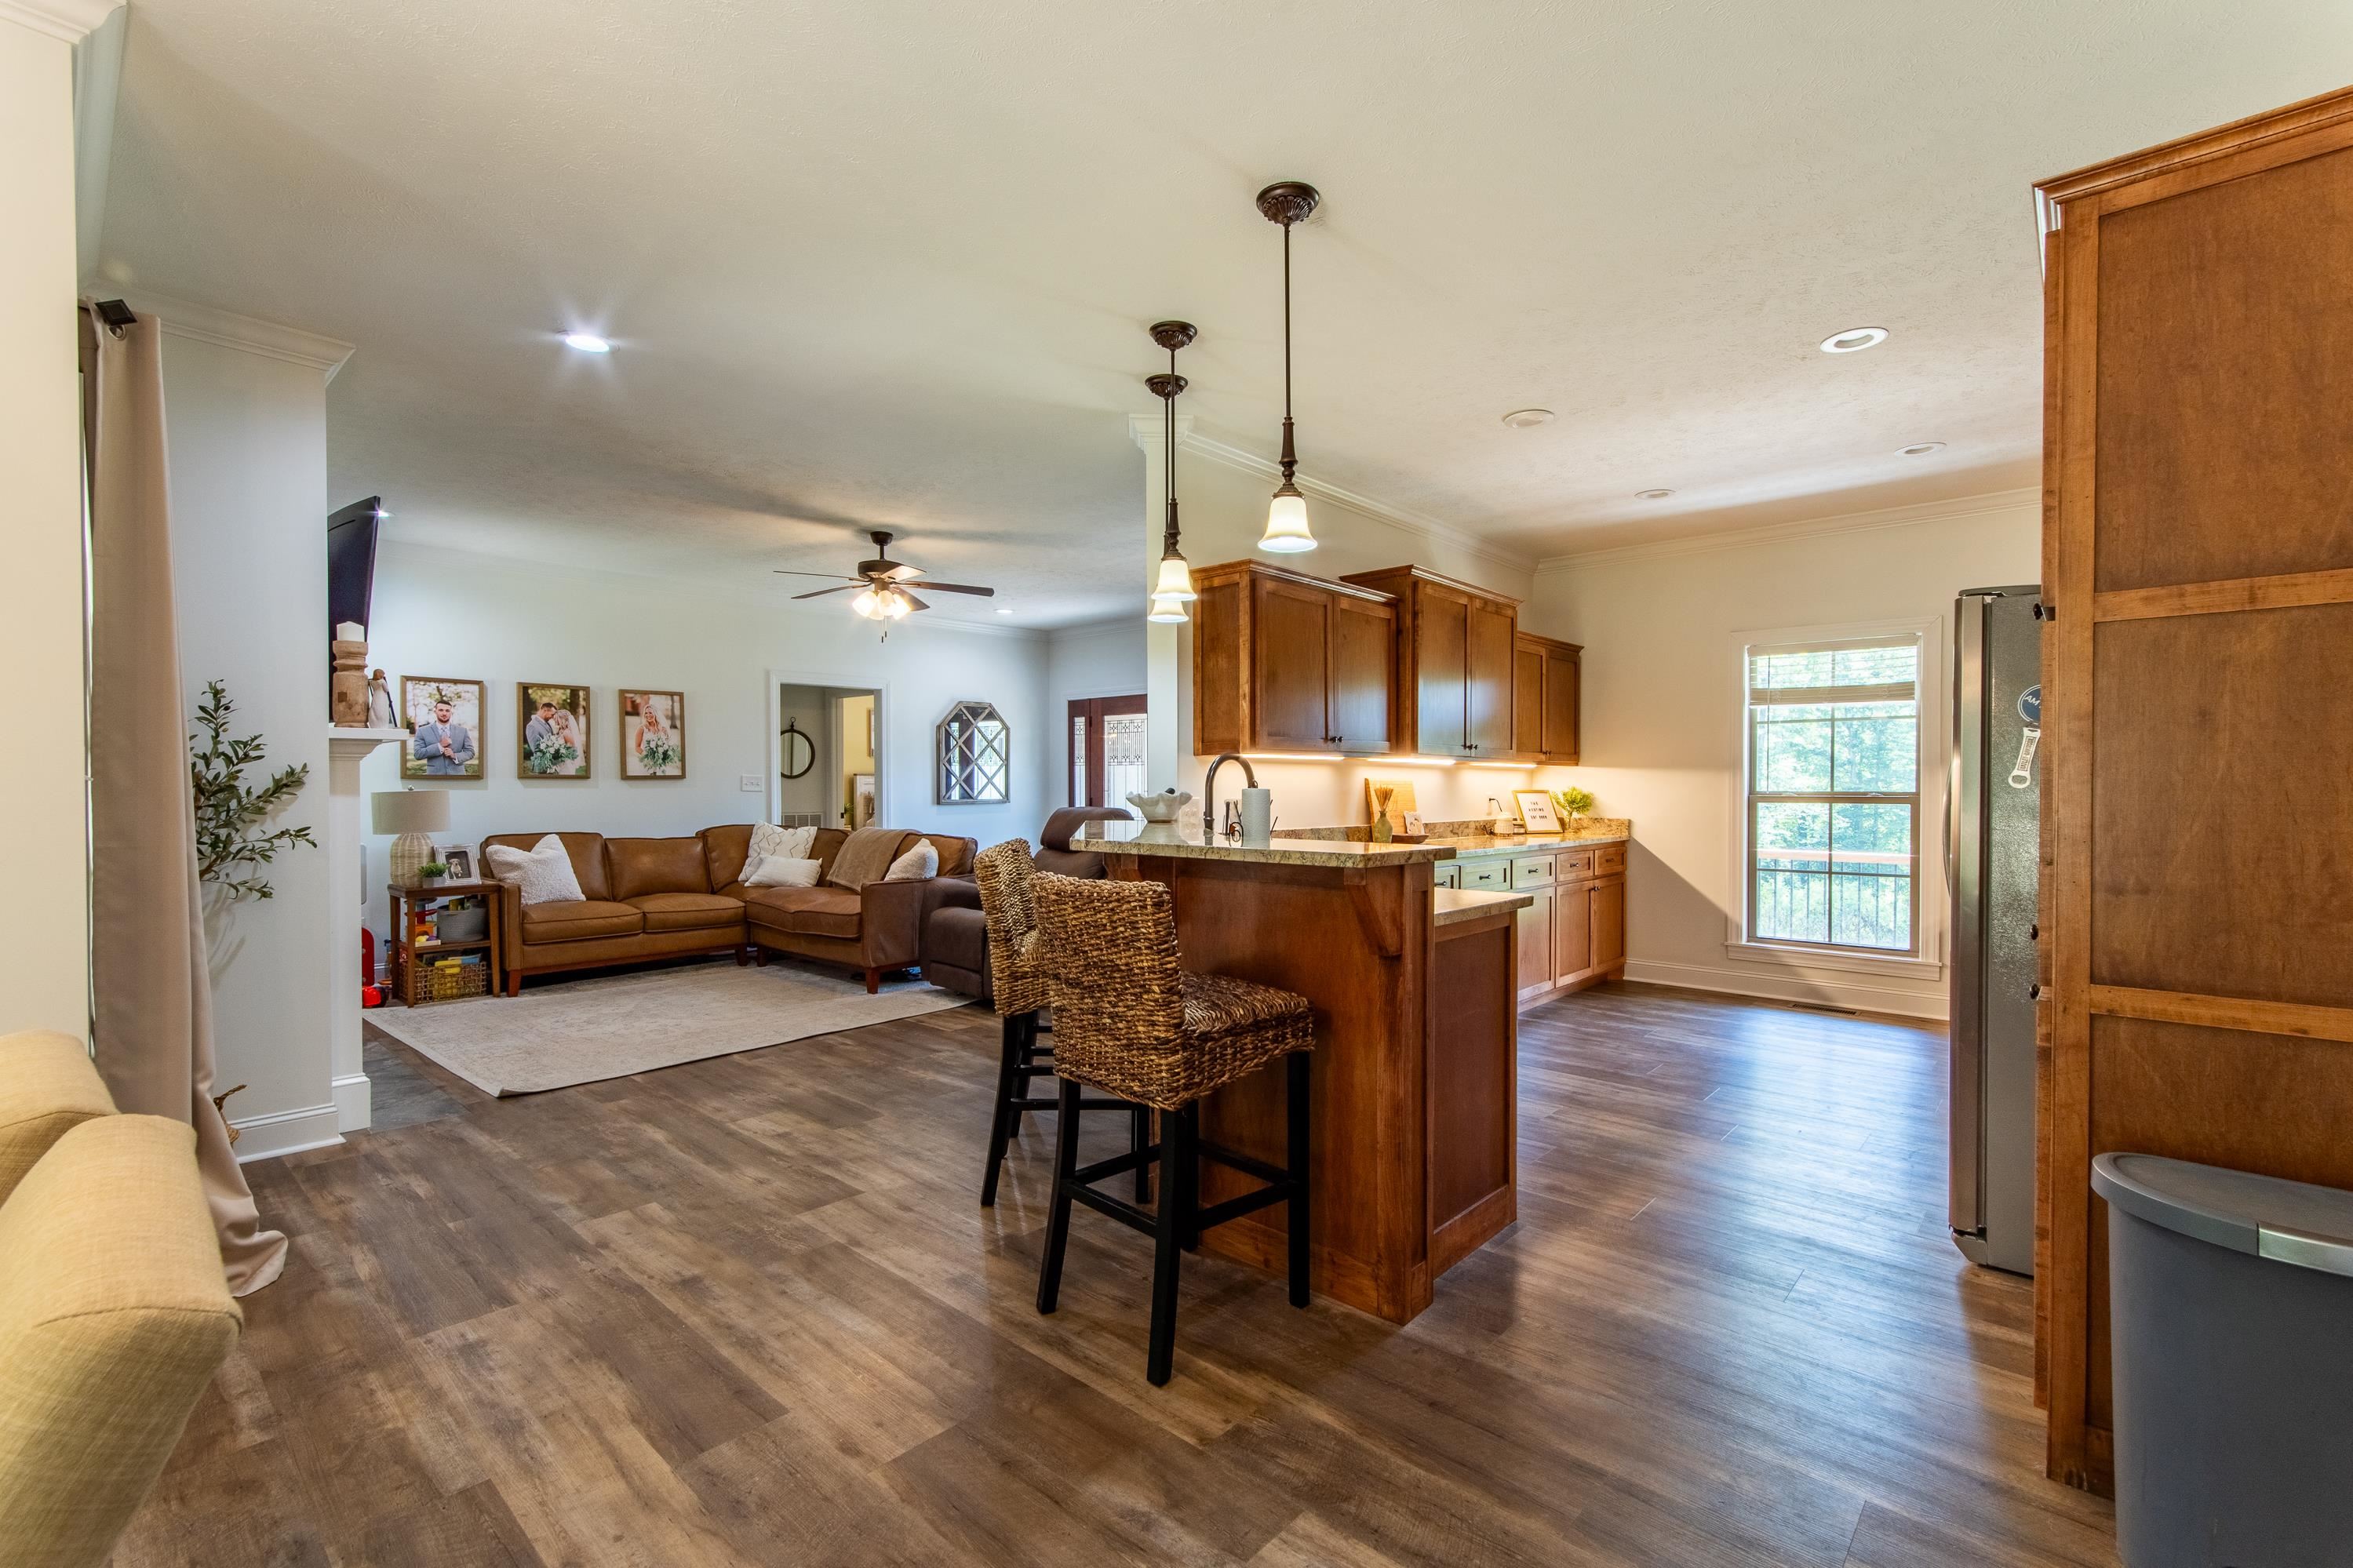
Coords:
751,783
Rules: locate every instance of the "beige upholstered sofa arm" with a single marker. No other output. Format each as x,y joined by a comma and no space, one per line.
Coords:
48,1085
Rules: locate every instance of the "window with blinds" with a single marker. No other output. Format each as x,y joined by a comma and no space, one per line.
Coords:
1833,795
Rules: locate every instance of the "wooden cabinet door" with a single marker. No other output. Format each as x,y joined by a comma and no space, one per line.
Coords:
1563,675
1536,944
1607,903
1442,670
1290,670
1364,676
1528,699
1572,936
1487,680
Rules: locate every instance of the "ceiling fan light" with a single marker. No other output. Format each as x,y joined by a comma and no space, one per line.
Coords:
868,604
1167,611
1176,579
1286,523
895,605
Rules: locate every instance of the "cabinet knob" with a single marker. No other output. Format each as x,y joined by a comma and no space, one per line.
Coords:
2034,932
1338,739
2034,992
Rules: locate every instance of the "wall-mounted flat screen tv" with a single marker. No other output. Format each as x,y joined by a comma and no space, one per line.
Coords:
351,561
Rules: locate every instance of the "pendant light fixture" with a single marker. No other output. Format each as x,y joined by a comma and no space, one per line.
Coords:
1287,202
1172,589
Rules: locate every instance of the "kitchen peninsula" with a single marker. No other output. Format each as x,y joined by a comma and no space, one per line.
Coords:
1416,1082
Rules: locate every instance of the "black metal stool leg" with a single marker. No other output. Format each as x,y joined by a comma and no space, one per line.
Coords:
1294,1096
1139,1139
1058,1223
1165,1253
1024,1066
1000,1124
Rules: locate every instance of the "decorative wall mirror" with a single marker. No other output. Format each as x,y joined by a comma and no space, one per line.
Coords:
975,757
798,752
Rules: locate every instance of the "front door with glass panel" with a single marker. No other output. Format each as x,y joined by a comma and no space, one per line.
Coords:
1106,749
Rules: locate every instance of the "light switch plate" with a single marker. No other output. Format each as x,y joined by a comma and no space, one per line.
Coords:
751,785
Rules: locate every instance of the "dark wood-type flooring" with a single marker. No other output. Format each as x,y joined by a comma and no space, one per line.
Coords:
749,1311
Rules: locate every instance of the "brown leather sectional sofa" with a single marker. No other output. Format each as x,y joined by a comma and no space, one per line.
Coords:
666,898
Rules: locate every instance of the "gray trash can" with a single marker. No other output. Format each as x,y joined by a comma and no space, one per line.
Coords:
2231,1340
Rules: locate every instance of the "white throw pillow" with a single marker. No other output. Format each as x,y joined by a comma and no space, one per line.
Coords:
543,873
781,871
921,861
791,843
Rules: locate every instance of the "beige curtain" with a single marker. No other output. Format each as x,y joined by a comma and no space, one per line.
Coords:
154,1023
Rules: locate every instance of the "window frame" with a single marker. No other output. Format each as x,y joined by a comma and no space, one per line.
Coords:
1924,958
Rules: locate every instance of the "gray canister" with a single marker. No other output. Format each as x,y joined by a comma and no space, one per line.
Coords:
2230,1334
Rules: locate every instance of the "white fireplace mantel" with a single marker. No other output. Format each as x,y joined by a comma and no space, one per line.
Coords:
347,898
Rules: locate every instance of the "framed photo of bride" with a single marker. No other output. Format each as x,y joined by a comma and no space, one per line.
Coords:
555,723
653,734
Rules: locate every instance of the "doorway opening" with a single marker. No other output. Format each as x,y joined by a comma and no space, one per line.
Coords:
1106,749
826,750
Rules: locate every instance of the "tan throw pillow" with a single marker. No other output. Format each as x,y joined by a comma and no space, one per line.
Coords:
543,872
921,861
782,871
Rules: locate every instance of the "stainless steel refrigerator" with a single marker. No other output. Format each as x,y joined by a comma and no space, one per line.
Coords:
1992,866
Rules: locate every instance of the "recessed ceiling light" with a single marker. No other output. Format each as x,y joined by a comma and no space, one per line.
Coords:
1854,340
1004,609
1652,495
1919,449
1521,418
588,343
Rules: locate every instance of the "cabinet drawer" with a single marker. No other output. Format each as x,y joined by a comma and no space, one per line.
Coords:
1573,865
1609,858
1495,875
1532,872
1448,876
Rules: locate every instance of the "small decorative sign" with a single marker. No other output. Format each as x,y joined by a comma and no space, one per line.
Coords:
1537,814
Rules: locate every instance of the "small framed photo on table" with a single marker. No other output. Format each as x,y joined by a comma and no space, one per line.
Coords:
460,863
1537,814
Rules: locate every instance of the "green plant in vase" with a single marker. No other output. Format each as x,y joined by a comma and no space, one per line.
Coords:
1573,802
432,871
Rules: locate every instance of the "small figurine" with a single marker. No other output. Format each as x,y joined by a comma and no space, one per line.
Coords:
380,713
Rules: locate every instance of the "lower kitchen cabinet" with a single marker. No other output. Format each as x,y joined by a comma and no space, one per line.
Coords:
1573,934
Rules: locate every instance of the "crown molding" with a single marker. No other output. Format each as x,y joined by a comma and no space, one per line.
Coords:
1143,429
226,329
1801,528
1217,451
65,20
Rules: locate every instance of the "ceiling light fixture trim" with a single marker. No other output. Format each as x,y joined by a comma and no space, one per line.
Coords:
1527,419
588,343
1854,340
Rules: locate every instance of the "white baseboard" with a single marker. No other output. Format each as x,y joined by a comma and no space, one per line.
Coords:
1842,992
286,1132
353,1103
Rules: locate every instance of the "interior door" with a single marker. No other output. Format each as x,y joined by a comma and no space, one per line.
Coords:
1563,676
1442,670
1106,749
1488,679
1290,677
1364,674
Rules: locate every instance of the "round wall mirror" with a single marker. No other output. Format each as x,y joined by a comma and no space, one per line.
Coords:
800,752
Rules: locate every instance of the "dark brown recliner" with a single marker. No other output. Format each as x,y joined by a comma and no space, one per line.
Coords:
955,936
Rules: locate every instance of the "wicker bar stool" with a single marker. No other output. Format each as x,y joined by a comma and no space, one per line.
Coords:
1003,873
1129,1021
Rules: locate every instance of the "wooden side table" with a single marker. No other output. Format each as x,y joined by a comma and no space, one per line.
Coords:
410,949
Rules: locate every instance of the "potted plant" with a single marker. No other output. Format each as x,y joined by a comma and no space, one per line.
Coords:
1573,802
432,874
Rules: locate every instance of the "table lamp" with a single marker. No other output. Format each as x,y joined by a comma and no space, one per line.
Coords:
417,815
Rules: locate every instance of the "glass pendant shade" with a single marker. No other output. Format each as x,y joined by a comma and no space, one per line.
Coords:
1286,523
1167,611
868,604
896,605
1176,581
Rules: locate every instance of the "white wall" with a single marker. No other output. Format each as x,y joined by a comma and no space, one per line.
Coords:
1105,659
1223,508
44,925
247,449
1663,711
728,649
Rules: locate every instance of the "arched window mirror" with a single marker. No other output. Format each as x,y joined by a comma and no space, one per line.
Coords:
975,757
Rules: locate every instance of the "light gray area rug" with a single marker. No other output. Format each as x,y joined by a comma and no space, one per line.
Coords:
552,1036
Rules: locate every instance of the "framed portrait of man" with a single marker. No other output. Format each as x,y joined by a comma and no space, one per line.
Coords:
653,734
555,731
444,720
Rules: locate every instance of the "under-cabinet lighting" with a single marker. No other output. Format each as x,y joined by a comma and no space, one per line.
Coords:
1295,756
1516,767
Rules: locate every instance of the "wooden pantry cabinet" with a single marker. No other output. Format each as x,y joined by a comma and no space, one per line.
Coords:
1454,652
1286,662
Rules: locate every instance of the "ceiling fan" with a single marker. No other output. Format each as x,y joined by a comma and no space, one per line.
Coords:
883,583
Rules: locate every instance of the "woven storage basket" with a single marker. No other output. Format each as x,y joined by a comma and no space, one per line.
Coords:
435,983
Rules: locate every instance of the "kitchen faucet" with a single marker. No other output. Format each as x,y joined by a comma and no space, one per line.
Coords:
1210,792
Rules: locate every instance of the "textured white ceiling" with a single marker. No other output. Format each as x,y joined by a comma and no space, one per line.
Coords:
882,264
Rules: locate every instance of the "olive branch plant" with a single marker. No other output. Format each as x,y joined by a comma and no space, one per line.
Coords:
229,851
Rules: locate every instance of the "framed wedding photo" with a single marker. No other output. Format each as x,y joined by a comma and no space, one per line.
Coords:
554,724
653,734
444,720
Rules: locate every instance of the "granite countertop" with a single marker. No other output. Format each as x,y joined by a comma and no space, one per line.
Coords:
1450,905
1123,840
1524,844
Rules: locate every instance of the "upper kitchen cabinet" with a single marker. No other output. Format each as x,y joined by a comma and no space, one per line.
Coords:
1454,650
1546,675
1286,662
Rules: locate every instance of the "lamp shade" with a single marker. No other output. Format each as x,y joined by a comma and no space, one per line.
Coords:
1286,524
1175,579
1167,611
411,810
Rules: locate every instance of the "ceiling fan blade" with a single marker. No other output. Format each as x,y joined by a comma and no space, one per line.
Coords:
958,588
781,571
900,570
821,593
912,602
